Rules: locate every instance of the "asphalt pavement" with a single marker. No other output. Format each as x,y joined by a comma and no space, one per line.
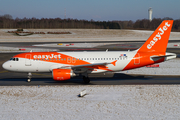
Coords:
18,79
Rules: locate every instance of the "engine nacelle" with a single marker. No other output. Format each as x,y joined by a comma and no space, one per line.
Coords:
62,74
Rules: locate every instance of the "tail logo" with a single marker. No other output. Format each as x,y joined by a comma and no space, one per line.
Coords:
158,35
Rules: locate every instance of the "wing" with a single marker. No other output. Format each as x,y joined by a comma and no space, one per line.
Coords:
93,64
84,67
90,65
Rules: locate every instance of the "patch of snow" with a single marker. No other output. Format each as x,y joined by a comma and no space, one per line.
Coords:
78,45
144,31
101,102
19,49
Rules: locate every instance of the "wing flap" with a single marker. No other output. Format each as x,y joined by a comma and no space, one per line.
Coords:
90,65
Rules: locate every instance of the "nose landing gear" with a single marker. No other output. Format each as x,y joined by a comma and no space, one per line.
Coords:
29,77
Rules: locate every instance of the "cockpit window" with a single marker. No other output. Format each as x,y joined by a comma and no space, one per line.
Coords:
14,59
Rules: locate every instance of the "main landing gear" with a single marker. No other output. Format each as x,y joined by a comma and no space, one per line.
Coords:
86,79
29,77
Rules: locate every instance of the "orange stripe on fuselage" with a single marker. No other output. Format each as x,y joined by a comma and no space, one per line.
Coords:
101,67
144,59
52,56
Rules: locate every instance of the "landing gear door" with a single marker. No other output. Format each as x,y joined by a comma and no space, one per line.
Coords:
28,60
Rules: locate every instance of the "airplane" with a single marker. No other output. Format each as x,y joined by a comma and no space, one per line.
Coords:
65,65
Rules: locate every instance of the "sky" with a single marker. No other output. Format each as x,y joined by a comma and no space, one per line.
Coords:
98,10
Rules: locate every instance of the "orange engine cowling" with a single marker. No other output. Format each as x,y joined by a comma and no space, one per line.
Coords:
62,74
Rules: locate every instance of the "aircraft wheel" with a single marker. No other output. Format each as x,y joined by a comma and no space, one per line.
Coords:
28,80
86,80
29,77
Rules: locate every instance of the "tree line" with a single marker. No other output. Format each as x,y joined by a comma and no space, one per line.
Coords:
6,21
145,24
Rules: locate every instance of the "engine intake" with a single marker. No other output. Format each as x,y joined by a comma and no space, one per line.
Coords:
62,74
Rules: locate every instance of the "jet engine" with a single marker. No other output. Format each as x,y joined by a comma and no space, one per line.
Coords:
62,74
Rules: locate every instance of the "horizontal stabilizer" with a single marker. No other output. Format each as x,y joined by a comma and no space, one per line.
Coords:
167,56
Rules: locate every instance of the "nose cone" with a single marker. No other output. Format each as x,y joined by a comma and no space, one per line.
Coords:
6,66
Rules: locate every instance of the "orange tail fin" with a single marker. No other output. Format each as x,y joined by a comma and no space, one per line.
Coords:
158,41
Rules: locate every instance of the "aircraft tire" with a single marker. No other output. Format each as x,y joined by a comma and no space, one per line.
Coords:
28,80
86,80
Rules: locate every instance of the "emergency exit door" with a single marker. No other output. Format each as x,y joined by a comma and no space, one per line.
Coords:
137,59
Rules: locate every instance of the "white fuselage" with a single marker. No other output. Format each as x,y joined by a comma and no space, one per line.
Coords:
42,65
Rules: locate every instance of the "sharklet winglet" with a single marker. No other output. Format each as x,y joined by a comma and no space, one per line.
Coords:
114,62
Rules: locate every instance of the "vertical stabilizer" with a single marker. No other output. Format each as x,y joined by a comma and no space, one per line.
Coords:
158,41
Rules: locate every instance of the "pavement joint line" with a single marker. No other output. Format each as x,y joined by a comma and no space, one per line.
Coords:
4,71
